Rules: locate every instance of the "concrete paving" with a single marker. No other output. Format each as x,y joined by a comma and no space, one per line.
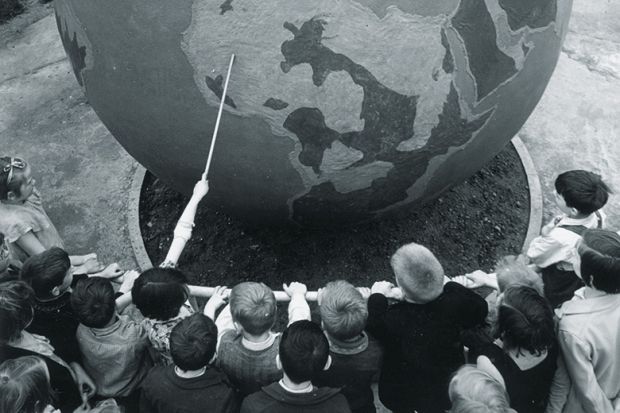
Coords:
85,174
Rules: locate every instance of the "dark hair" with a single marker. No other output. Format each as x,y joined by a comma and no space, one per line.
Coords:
582,190
600,259
303,351
93,301
24,385
46,270
159,293
525,320
15,309
193,341
16,182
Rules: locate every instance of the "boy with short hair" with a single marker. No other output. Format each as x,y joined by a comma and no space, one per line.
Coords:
421,336
114,348
247,347
191,384
303,354
579,195
356,355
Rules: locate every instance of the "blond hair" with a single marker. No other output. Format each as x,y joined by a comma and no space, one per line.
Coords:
418,272
253,306
513,270
473,390
343,310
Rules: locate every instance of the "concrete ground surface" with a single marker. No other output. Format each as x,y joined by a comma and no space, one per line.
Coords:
85,175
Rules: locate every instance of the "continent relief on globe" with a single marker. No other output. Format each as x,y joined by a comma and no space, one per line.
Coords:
337,111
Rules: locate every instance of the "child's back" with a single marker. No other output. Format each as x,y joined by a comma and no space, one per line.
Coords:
114,348
356,355
422,344
247,347
191,384
579,195
303,353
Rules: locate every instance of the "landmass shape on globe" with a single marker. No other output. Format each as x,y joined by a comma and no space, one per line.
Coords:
337,110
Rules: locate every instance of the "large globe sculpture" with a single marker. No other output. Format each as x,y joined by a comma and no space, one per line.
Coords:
337,111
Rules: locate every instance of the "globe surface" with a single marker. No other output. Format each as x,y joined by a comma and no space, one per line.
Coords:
337,110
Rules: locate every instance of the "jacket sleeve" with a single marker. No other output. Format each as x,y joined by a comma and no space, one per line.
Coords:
471,308
544,251
560,386
377,308
577,359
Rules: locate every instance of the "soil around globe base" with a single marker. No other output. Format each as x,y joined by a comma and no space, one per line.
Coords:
469,227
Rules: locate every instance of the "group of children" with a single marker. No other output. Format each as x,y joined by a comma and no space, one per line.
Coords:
79,337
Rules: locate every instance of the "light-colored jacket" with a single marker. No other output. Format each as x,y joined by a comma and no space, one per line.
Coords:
588,378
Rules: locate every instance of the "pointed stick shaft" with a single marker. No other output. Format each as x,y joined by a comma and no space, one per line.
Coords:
219,116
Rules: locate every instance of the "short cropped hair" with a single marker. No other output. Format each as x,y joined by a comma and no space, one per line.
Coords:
159,293
525,320
513,270
253,305
46,270
582,190
304,351
600,259
93,301
24,385
193,341
16,309
418,272
473,390
343,310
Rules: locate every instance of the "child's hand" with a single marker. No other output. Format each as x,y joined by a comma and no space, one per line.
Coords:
201,189
50,409
129,279
91,266
477,279
111,271
217,300
295,288
382,287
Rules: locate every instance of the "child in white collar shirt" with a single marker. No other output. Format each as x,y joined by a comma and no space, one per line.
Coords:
579,195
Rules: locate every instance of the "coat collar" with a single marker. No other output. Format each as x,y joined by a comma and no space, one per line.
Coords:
588,300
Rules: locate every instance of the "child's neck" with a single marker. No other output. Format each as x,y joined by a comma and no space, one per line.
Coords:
256,338
189,374
288,384
578,215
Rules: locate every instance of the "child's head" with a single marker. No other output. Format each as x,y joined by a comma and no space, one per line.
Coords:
193,341
473,390
48,272
514,271
343,310
93,302
418,273
15,309
599,256
16,182
525,320
304,351
24,385
159,293
583,191
253,307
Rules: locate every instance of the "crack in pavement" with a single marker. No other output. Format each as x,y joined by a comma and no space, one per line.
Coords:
34,70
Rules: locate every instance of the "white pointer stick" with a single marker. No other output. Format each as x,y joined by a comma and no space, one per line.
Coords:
219,116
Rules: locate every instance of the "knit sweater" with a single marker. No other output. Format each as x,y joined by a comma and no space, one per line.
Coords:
248,369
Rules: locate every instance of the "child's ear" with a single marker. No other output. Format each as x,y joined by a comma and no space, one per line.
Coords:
238,327
328,363
55,291
278,362
11,196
